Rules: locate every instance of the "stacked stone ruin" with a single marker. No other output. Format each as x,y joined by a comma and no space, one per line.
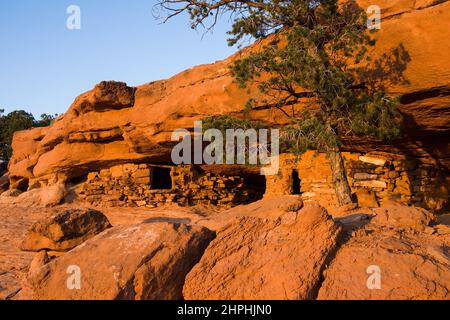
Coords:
374,178
137,185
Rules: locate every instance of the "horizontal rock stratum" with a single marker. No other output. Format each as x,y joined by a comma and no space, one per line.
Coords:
114,123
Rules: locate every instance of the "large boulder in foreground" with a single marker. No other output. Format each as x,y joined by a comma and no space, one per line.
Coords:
387,260
145,261
255,258
65,230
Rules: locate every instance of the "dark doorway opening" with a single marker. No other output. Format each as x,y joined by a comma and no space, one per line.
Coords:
256,185
161,179
295,182
77,180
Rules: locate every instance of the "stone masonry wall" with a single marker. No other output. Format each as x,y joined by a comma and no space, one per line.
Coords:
131,185
374,178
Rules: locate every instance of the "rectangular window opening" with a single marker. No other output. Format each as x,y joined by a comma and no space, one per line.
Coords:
161,178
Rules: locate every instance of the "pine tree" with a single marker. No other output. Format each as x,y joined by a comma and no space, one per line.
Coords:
314,52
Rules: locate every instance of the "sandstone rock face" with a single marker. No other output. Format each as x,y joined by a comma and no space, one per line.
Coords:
414,264
383,261
52,195
427,73
25,145
11,193
15,221
254,258
114,124
279,208
9,286
42,197
105,96
393,8
65,230
40,260
146,261
403,217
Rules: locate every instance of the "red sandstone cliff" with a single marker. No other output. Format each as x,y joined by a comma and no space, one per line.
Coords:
114,123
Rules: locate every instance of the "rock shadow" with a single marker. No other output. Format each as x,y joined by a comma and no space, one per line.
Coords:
168,219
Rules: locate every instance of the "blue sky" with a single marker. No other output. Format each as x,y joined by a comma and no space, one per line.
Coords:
44,65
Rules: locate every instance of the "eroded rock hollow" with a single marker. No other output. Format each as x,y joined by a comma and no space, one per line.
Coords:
115,125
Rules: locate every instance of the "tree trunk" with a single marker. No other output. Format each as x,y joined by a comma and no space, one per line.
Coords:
340,182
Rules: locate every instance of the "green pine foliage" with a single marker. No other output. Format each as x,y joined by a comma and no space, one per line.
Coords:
317,57
320,56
